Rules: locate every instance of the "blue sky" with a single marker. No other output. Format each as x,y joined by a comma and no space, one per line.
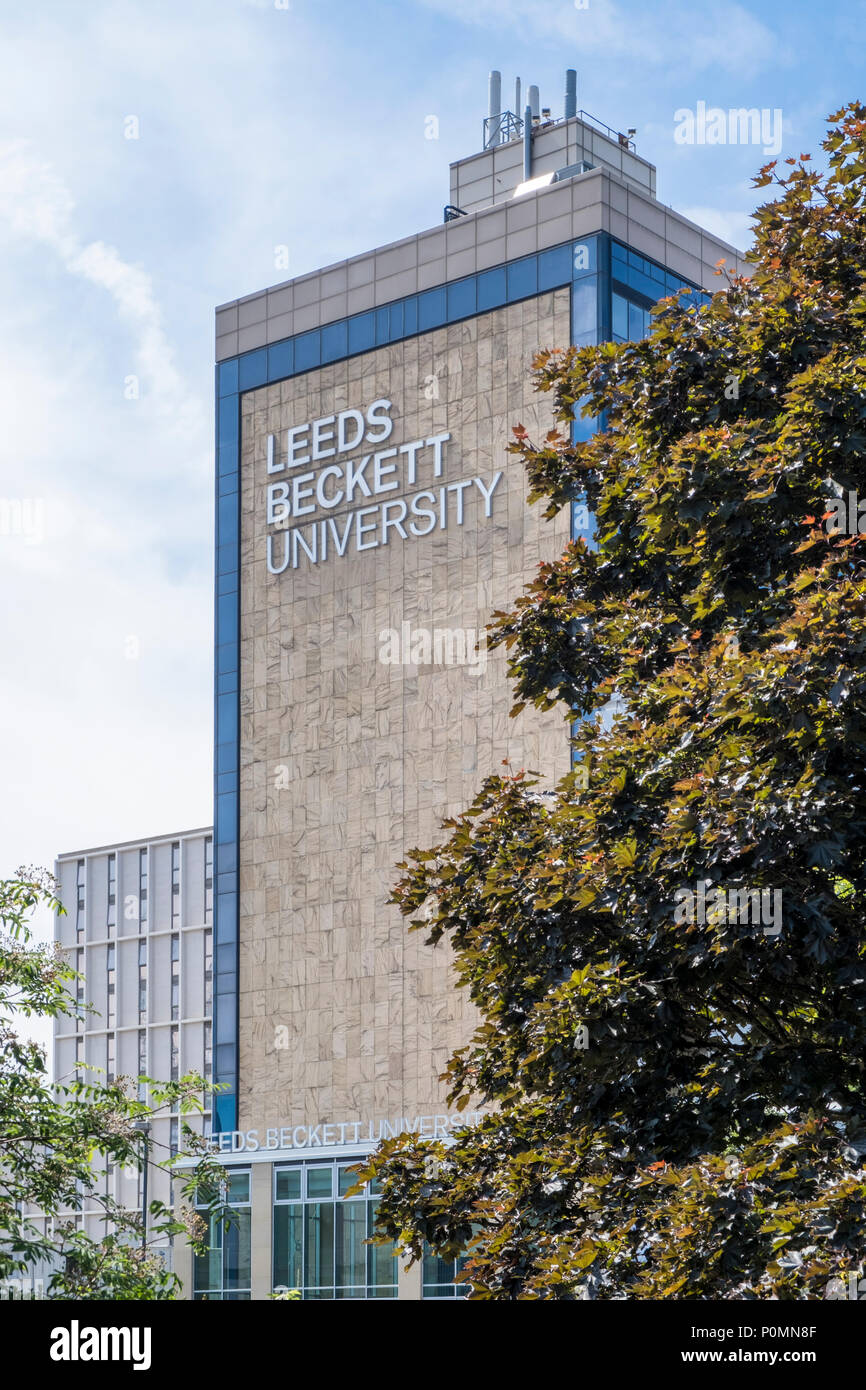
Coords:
259,125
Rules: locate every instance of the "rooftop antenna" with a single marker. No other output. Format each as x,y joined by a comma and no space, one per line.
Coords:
517,96
534,103
570,92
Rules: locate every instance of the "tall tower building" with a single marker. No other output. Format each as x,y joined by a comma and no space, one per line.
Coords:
369,520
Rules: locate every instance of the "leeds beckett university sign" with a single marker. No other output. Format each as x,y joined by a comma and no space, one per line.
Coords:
360,469
350,1133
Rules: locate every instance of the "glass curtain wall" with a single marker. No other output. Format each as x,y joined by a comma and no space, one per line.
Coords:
320,1235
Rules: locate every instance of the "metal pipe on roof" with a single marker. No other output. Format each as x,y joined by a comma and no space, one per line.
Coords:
494,107
527,143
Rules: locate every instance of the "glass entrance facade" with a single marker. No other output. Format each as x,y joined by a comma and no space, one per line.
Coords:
320,1235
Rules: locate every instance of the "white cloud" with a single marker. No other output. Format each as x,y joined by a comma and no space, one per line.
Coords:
676,34
37,205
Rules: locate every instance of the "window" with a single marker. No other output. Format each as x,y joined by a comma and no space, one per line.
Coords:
80,905
224,1272
208,881
208,1050
142,1062
438,1275
109,1066
175,1053
172,1137
79,987
175,883
142,982
111,976
208,971
111,918
79,1053
175,976
320,1235
584,311
522,278
142,887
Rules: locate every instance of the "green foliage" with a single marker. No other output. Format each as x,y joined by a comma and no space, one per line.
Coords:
53,1139
709,1142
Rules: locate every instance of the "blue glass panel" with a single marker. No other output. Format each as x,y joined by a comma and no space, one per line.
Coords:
227,619
224,1057
227,556
410,315
554,267
223,1104
584,306
226,817
281,360
618,253
335,341
228,377
229,422
227,782
226,979
619,316
396,325
225,960
227,515
461,298
308,350
228,482
361,332
226,756
522,278
227,656
491,289
227,718
383,325
227,859
642,283
227,583
583,427
227,916
636,322
228,450
431,308
225,1020
226,682
253,369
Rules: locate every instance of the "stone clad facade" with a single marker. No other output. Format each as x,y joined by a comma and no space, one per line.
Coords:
347,761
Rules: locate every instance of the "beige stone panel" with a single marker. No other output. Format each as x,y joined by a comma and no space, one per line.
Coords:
346,761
